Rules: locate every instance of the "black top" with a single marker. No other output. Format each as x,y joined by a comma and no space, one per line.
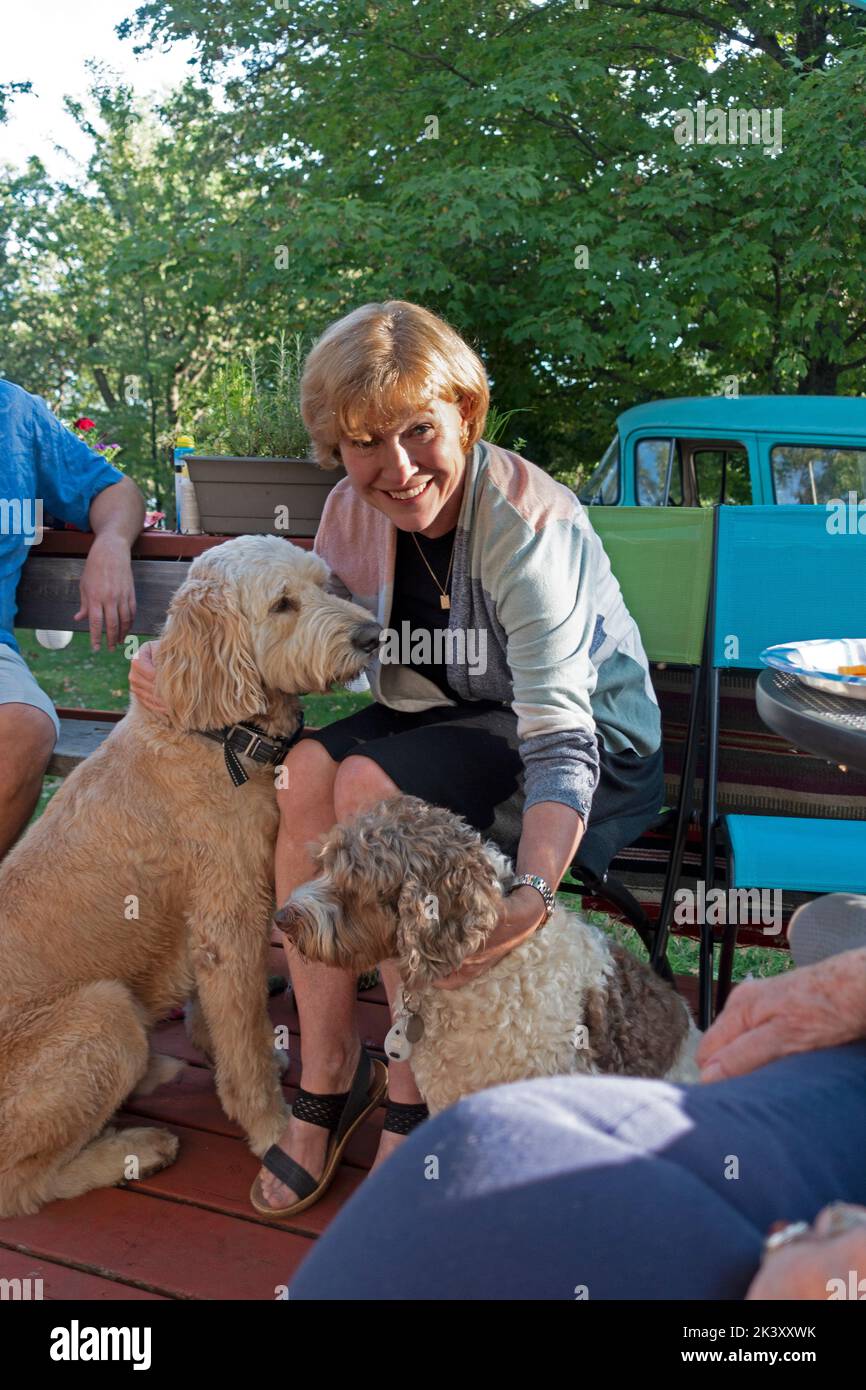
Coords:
416,601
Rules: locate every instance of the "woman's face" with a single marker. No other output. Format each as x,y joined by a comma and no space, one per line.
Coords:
414,473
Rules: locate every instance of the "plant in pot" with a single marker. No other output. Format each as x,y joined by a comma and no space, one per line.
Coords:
251,471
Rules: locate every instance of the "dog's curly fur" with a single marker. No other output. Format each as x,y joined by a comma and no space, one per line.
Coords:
149,881
411,881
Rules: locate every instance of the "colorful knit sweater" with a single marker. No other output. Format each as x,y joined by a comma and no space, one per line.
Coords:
532,581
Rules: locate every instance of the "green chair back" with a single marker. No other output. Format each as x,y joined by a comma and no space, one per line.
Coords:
662,559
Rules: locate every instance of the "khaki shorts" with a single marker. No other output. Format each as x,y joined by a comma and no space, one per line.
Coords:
18,685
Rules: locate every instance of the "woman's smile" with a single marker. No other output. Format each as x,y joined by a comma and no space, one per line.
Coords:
410,494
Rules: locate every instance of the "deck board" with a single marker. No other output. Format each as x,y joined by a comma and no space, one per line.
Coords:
215,1173
162,1246
61,1281
189,1232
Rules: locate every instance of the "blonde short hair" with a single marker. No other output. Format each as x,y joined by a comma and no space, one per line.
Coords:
379,363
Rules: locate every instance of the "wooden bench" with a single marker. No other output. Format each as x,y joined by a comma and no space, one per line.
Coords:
48,595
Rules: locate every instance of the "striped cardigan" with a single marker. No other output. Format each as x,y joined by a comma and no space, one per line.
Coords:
532,580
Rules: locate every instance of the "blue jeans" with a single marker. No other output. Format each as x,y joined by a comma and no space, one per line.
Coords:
601,1187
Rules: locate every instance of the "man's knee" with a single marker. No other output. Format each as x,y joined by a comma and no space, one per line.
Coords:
27,738
359,783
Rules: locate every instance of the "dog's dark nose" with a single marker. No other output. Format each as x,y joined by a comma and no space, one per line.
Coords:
366,637
287,918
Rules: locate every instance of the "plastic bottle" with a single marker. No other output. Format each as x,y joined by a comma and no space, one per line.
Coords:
190,519
185,445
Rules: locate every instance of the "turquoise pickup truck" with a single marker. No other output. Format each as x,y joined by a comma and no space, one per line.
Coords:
697,450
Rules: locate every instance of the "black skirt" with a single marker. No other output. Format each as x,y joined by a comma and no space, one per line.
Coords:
465,757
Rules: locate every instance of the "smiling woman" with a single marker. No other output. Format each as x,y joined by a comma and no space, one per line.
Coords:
403,435
448,537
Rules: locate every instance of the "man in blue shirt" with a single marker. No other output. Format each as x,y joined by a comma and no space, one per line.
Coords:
46,468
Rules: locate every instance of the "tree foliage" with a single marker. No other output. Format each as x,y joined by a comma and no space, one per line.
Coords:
513,166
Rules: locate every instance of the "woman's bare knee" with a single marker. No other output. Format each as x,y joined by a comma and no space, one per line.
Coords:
359,783
307,778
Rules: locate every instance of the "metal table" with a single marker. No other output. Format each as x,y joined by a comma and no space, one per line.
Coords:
832,726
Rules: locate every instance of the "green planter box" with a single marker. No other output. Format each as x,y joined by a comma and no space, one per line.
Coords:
239,496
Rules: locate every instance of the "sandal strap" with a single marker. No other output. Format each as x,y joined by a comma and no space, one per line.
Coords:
338,1110
289,1172
402,1118
323,1110
359,1097
335,1112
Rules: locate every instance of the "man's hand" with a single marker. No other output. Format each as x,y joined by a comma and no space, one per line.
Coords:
814,1006
806,1267
521,913
107,591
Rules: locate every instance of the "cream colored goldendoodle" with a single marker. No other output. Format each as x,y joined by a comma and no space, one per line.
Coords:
410,881
149,881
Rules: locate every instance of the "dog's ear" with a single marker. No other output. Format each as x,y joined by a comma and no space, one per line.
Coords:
438,930
205,672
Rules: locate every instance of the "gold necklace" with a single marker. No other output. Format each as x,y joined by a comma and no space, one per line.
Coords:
444,599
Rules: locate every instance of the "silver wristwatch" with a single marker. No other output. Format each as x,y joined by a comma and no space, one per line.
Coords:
535,881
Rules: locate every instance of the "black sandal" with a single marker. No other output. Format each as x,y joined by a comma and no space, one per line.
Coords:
402,1118
340,1113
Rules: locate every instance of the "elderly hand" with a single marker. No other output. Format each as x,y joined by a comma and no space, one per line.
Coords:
818,1264
142,678
810,1007
107,591
520,914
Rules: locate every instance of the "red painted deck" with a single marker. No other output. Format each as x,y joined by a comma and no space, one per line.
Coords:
189,1231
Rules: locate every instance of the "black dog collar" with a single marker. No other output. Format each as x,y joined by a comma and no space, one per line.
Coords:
250,741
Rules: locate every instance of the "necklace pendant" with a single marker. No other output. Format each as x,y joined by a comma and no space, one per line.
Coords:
444,601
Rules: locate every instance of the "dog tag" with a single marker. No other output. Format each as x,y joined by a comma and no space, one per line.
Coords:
413,1028
397,1045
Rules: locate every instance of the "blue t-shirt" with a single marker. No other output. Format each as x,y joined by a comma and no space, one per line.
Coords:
40,461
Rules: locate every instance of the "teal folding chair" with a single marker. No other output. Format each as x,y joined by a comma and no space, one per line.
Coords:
780,575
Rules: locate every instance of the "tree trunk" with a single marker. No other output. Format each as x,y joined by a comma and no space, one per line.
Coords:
820,379
172,404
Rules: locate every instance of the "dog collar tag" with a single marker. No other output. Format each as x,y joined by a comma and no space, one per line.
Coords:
397,1045
413,1027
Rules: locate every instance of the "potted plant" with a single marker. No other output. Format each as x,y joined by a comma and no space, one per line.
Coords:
250,470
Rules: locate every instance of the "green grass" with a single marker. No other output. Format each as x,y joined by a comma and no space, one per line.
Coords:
683,953
79,678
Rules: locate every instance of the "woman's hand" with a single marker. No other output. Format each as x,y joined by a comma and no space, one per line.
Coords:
814,1006
142,678
521,913
811,1265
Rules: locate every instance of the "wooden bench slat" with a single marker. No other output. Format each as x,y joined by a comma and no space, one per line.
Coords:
48,592
78,738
